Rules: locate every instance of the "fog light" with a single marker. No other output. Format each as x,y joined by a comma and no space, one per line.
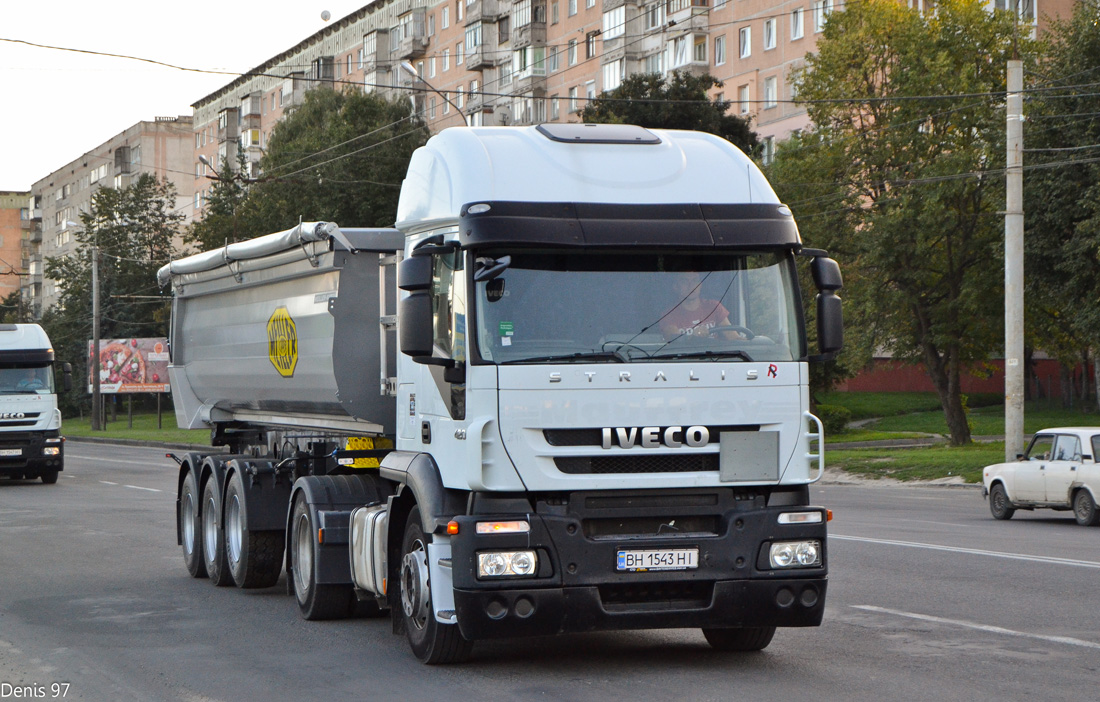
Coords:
800,518
795,554
499,564
51,451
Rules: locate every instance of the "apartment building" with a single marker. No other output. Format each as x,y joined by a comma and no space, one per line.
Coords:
162,148
16,223
487,62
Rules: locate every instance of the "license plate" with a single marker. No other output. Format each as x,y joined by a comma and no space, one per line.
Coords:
11,452
658,559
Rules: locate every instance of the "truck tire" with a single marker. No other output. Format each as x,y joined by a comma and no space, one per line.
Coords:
750,638
49,476
430,641
255,558
190,528
315,601
213,542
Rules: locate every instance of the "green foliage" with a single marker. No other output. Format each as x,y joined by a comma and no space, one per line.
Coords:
219,224
680,102
135,229
834,417
893,183
12,310
1062,192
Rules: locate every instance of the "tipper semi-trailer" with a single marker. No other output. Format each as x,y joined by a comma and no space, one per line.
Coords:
567,392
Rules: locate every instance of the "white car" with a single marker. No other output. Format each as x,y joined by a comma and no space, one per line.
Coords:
1059,470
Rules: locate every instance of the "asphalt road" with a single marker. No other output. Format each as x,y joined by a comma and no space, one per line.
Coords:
929,599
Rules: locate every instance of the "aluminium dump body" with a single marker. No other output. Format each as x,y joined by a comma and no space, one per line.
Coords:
284,335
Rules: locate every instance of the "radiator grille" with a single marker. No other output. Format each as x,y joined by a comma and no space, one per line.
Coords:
594,437
653,463
667,595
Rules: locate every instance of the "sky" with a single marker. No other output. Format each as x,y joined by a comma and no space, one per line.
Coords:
56,104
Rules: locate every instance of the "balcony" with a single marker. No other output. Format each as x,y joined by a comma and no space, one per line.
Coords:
411,39
485,11
532,34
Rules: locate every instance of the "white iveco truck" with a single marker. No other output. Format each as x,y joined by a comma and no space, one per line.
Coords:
31,445
568,392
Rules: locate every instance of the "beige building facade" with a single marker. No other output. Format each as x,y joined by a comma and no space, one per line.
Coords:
487,62
16,229
161,148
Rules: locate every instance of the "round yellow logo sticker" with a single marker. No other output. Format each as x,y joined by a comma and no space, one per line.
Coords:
282,342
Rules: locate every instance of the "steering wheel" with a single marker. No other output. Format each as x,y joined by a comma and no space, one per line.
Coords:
743,331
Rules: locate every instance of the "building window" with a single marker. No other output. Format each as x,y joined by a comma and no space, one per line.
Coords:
446,59
719,4
431,67
574,105
458,54
431,108
769,34
699,50
572,52
719,50
521,14
446,104
555,112
614,23
767,153
745,42
459,98
458,11
771,92
654,63
743,99
822,8
572,7
612,75
504,31
473,37
445,18
589,4
797,23
552,59
655,16
553,13
590,45
506,74
431,25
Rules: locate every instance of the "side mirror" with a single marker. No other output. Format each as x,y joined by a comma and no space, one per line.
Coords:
67,376
1019,457
830,324
415,273
826,273
415,316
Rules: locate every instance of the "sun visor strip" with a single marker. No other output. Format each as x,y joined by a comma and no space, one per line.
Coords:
531,224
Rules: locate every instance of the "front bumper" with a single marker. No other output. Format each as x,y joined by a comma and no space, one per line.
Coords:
30,462
577,587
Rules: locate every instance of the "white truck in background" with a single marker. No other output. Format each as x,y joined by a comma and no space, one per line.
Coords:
31,445
507,416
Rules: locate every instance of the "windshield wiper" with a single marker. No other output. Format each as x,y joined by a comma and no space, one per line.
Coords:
710,355
612,356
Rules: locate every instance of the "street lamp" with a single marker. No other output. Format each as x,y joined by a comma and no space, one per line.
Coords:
97,420
408,68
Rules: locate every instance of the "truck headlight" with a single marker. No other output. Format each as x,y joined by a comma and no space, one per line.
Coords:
51,451
498,564
795,554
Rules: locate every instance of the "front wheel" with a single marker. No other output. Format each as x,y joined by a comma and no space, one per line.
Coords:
1084,509
49,476
750,638
999,506
431,641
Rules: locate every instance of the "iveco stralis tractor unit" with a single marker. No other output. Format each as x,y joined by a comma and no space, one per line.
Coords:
567,392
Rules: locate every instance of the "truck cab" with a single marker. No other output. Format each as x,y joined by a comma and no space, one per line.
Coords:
31,445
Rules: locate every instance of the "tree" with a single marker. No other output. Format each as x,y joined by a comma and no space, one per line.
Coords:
219,224
135,229
1062,194
680,102
337,157
895,178
12,310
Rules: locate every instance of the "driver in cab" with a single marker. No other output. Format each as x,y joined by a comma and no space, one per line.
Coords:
694,315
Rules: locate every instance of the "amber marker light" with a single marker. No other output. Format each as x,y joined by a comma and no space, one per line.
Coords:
452,527
516,527
828,515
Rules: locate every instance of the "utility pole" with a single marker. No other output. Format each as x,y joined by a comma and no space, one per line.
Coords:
1014,264
96,418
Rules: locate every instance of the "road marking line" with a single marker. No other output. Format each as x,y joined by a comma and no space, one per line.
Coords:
972,551
107,482
980,627
138,487
155,464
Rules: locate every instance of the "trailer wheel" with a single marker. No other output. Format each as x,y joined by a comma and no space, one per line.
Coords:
315,601
750,638
190,527
255,558
431,641
213,545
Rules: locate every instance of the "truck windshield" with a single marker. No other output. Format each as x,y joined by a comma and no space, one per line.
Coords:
19,380
554,307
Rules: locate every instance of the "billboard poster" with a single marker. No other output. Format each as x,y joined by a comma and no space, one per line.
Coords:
131,365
